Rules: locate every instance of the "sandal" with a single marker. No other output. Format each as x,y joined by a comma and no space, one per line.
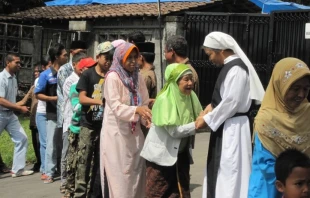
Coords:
5,169
67,195
48,180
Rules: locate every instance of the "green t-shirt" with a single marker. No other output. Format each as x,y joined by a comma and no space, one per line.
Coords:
77,109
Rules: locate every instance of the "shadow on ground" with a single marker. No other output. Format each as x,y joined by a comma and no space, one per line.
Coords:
193,186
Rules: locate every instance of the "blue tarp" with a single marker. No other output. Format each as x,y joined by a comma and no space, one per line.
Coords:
83,2
268,6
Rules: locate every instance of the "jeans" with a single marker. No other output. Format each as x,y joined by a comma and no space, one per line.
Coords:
65,145
9,122
41,123
52,140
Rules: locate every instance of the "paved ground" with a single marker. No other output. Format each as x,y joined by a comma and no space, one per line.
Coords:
33,187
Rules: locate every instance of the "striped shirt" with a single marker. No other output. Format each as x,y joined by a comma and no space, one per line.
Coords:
67,107
63,73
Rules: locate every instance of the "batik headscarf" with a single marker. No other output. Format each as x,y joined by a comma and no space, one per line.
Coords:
171,106
279,127
129,79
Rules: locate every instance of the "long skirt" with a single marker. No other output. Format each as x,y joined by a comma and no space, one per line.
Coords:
167,181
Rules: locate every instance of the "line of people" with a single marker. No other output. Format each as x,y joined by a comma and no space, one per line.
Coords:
99,109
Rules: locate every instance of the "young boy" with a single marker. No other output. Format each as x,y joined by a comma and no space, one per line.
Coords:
293,174
91,95
74,126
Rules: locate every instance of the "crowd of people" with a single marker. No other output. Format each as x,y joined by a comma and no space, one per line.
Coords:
103,127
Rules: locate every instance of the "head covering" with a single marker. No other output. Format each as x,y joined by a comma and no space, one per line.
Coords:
86,63
104,47
129,80
172,107
278,126
118,42
78,45
146,47
222,41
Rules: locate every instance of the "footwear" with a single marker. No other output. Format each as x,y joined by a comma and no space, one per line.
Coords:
67,195
48,180
22,173
44,176
36,167
5,169
62,188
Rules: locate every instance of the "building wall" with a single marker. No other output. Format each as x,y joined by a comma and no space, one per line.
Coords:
102,30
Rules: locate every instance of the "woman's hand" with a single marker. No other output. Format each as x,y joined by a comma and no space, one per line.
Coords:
151,102
200,123
148,123
144,112
208,109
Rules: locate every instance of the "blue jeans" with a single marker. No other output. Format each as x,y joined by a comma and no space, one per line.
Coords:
9,122
41,123
52,140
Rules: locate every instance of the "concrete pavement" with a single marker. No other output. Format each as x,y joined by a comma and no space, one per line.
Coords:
33,187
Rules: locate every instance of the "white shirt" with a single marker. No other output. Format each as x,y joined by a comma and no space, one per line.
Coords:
162,144
66,107
41,108
235,93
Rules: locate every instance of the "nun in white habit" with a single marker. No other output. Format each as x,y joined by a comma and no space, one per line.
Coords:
230,152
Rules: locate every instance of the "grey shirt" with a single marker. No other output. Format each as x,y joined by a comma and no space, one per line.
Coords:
8,88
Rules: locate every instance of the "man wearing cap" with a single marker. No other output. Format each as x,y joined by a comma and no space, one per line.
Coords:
230,151
63,73
91,97
145,62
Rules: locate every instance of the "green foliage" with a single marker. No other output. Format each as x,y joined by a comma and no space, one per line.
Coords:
7,146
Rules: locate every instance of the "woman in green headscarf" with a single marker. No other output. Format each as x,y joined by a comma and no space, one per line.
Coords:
167,145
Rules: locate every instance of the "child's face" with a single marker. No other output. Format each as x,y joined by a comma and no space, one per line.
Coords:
297,185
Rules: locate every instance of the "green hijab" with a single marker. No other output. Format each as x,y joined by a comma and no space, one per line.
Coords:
171,106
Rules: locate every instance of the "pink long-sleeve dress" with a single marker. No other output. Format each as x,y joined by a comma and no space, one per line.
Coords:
119,147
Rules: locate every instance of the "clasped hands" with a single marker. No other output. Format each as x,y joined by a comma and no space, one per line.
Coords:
200,122
146,115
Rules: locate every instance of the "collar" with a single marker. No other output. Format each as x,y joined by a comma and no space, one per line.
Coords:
185,61
75,76
70,63
230,58
54,72
7,74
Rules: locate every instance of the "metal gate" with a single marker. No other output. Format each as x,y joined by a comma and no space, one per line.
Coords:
264,38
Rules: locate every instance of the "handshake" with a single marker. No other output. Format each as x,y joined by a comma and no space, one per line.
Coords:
200,122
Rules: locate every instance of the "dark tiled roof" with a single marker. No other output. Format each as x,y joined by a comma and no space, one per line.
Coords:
100,11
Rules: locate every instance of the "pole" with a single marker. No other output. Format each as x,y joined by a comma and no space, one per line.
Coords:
160,45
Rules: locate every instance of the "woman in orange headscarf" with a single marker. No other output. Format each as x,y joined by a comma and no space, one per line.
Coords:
121,138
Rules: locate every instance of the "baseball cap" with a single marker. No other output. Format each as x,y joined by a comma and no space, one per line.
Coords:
86,62
104,47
